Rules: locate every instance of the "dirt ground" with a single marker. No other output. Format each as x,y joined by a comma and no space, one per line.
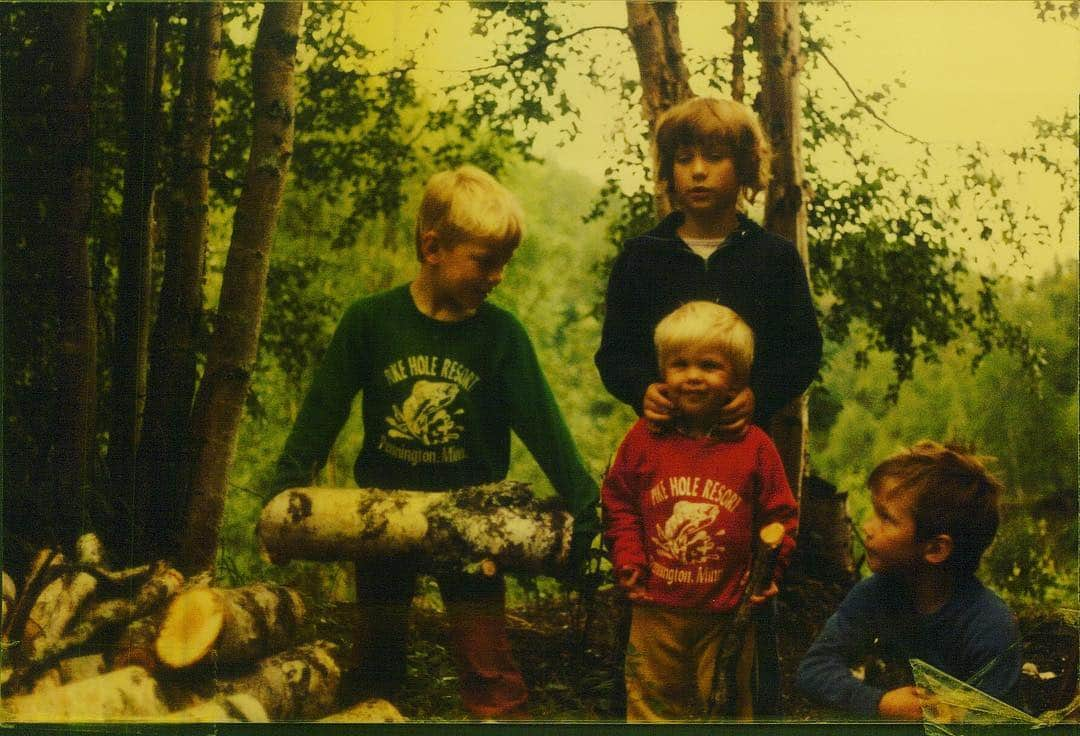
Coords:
568,653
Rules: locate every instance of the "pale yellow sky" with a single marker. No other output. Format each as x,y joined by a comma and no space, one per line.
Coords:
974,72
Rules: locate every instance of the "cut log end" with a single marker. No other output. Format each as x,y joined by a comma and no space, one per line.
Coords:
772,534
191,626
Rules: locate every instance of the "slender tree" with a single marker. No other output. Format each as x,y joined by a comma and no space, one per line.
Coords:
70,205
219,403
164,449
665,81
133,300
785,207
740,30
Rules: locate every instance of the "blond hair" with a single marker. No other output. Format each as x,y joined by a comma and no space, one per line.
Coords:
711,124
467,203
951,493
700,323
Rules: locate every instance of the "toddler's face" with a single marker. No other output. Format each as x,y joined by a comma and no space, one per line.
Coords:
700,382
889,534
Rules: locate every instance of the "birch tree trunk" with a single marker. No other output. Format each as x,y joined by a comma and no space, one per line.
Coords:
133,287
76,369
785,208
164,450
665,80
446,530
740,29
219,404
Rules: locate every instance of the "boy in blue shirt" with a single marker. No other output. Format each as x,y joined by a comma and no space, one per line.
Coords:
935,513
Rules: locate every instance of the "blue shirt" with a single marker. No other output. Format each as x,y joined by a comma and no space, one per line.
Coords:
972,629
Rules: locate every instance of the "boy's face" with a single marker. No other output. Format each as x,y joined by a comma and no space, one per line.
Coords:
889,534
704,179
464,273
701,380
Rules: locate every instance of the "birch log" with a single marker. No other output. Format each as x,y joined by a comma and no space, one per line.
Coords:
122,694
235,625
9,598
301,683
237,708
502,522
376,710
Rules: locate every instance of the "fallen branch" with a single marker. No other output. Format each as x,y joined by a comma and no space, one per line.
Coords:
127,693
501,522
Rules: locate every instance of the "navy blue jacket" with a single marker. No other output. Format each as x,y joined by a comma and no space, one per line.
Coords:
972,630
755,273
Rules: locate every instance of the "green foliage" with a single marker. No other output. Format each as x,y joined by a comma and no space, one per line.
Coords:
1029,427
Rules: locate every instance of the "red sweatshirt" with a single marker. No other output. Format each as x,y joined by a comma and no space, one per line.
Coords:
687,509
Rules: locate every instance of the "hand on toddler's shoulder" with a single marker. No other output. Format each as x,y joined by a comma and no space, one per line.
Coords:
656,407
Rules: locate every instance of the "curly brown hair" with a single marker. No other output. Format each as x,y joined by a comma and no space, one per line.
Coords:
951,493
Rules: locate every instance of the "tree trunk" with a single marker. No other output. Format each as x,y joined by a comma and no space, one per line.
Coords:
497,522
740,28
219,403
133,288
300,684
76,369
665,80
164,450
235,626
122,694
785,207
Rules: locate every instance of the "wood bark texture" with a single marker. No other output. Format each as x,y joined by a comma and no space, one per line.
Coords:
367,711
740,29
665,81
785,206
8,598
133,300
229,625
219,403
83,667
501,522
122,694
164,450
237,708
76,369
301,683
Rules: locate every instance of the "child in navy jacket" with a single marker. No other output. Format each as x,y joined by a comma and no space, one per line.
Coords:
935,512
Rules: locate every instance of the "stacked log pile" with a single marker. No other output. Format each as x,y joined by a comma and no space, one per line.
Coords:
84,642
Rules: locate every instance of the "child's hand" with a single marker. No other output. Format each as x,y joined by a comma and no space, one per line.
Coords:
629,578
904,703
657,407
736,414
758,598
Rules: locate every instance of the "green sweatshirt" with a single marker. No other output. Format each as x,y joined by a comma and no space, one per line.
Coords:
439,401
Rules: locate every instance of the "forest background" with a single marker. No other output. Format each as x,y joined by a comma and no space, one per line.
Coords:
942,241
